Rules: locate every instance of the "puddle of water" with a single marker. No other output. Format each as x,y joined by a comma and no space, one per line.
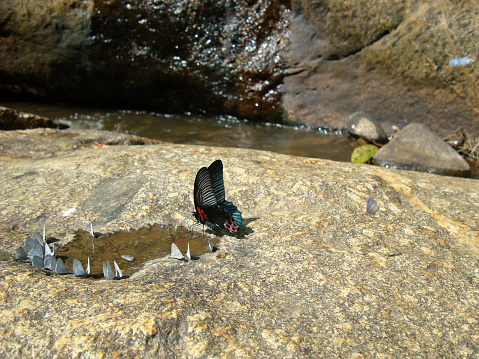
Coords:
143,244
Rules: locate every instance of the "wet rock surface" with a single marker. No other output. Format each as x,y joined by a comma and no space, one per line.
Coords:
14,120
416,148
310,274
389,59
220,57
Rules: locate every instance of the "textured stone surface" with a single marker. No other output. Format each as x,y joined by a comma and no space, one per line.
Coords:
416,148
386,58
310,275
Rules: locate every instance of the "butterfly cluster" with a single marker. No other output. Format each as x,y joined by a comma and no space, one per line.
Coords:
176,253
211,209
42,256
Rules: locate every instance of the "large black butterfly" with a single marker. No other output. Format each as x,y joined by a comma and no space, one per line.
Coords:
210,205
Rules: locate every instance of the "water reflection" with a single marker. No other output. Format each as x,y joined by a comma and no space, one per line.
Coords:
143,244
200,130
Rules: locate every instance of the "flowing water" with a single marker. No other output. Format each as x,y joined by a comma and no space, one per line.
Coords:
221,131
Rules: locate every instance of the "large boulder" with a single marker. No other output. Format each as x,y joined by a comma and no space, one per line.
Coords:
416,148
215,56
387,58
309,275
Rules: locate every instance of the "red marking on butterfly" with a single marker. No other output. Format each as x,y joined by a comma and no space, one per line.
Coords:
201,213
231,227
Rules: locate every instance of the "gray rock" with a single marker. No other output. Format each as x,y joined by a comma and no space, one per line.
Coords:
362,125
418,149
309,275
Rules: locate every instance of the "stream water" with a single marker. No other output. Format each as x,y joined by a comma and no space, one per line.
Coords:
220,131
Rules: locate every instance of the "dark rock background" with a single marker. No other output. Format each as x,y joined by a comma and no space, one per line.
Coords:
216,56
312,62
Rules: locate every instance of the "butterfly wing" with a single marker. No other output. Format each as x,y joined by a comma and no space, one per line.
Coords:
59,267
216,177
205,199
209,196
78,268
107,272
118,272
203,191
233,212
175,252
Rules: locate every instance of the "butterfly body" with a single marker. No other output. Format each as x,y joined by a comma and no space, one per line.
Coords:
211,208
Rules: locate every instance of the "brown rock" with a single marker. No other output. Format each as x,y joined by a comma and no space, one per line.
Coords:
386,58
173,57
15,120
309,275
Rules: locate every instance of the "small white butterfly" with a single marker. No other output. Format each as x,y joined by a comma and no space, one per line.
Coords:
175,252
127,257
118,272
188,253
211,246
48,251
371,207
107,272
60,267
78,268
460,61
37,262
68,212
